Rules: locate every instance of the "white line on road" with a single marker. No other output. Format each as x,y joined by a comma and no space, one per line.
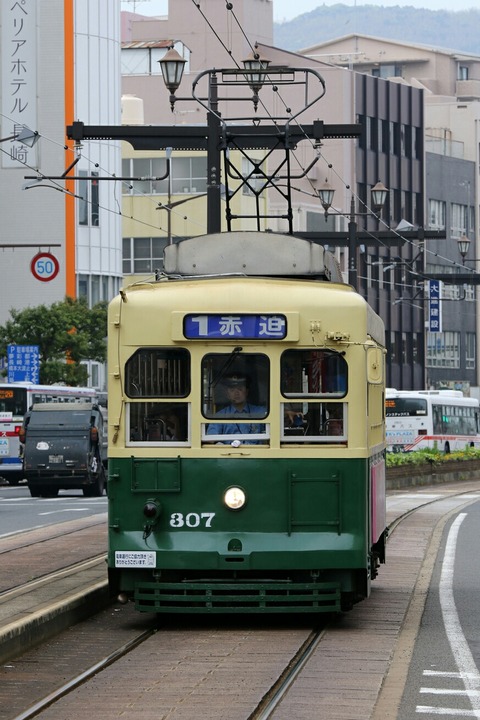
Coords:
446,691
461,652
64,510
446,711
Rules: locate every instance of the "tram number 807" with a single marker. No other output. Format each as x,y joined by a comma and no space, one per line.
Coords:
191,520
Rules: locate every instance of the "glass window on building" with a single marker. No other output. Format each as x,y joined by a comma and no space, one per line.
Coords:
143,255
150,170
82,283
459,219
470,351
387,71
88,204
97,288
436,214
189,176
443,349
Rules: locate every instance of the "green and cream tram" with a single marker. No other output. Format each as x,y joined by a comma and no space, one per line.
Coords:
246,432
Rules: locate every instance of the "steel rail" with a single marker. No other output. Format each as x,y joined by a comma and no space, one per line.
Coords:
85,675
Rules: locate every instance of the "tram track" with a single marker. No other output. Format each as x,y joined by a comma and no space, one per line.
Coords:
7,596
82,677
273,694
25,539
278,691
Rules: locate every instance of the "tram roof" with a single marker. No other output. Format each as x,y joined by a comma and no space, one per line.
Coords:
251,253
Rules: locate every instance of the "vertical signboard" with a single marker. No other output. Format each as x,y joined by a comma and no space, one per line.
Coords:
23,363
435,306
18,47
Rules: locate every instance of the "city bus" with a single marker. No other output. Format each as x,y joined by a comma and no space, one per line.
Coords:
15,400
441,419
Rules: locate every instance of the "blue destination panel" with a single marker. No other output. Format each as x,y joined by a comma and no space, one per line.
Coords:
226,327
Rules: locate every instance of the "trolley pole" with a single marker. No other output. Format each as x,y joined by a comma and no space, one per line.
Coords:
214,209
352,246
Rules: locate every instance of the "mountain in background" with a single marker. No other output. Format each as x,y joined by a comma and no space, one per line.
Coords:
451,30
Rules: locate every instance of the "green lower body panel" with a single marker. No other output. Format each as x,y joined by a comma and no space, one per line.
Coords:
300,543
215,598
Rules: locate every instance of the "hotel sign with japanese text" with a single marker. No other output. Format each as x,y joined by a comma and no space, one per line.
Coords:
18,48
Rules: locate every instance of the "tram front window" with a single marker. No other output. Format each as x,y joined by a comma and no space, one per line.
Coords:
235,397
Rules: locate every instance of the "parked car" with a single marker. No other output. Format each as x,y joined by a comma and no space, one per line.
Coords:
65,447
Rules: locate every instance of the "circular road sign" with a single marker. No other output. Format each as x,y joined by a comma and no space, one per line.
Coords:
44,266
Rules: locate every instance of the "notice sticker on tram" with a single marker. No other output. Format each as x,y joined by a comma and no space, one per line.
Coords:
134,559
226,327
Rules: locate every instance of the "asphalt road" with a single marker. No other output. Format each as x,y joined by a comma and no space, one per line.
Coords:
19,511
444,675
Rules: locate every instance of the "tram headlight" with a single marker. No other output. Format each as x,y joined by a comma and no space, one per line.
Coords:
234,498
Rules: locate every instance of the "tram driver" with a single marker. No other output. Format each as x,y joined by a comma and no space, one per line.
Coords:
239,408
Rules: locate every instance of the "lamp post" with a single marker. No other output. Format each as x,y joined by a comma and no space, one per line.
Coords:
173,65
379,194
463,243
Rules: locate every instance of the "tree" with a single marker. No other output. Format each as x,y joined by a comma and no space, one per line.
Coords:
66,333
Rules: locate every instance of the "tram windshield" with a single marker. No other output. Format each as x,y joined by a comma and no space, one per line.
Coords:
235,396
235,383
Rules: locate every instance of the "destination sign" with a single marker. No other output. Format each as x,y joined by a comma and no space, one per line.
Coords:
226,327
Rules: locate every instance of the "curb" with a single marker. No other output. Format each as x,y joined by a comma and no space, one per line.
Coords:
405,476
25,634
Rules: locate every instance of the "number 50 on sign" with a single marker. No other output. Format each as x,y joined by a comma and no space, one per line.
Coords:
44,267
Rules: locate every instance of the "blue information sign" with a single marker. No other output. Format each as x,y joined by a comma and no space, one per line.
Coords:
23,363
226,327
434,306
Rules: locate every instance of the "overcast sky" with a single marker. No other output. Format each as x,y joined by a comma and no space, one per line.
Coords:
288,9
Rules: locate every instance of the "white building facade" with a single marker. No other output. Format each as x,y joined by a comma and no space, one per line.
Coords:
59,62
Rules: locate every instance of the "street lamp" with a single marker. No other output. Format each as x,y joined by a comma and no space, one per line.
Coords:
463,243
256,67
379,195
172,65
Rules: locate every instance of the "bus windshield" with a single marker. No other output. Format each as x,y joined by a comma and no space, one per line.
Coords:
13,401
405,407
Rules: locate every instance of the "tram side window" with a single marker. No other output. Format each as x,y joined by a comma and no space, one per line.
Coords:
321,373
158,374
314,375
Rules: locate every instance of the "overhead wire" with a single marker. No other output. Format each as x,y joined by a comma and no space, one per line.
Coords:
345,184
229,6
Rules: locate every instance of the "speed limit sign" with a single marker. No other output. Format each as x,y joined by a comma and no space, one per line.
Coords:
44,266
